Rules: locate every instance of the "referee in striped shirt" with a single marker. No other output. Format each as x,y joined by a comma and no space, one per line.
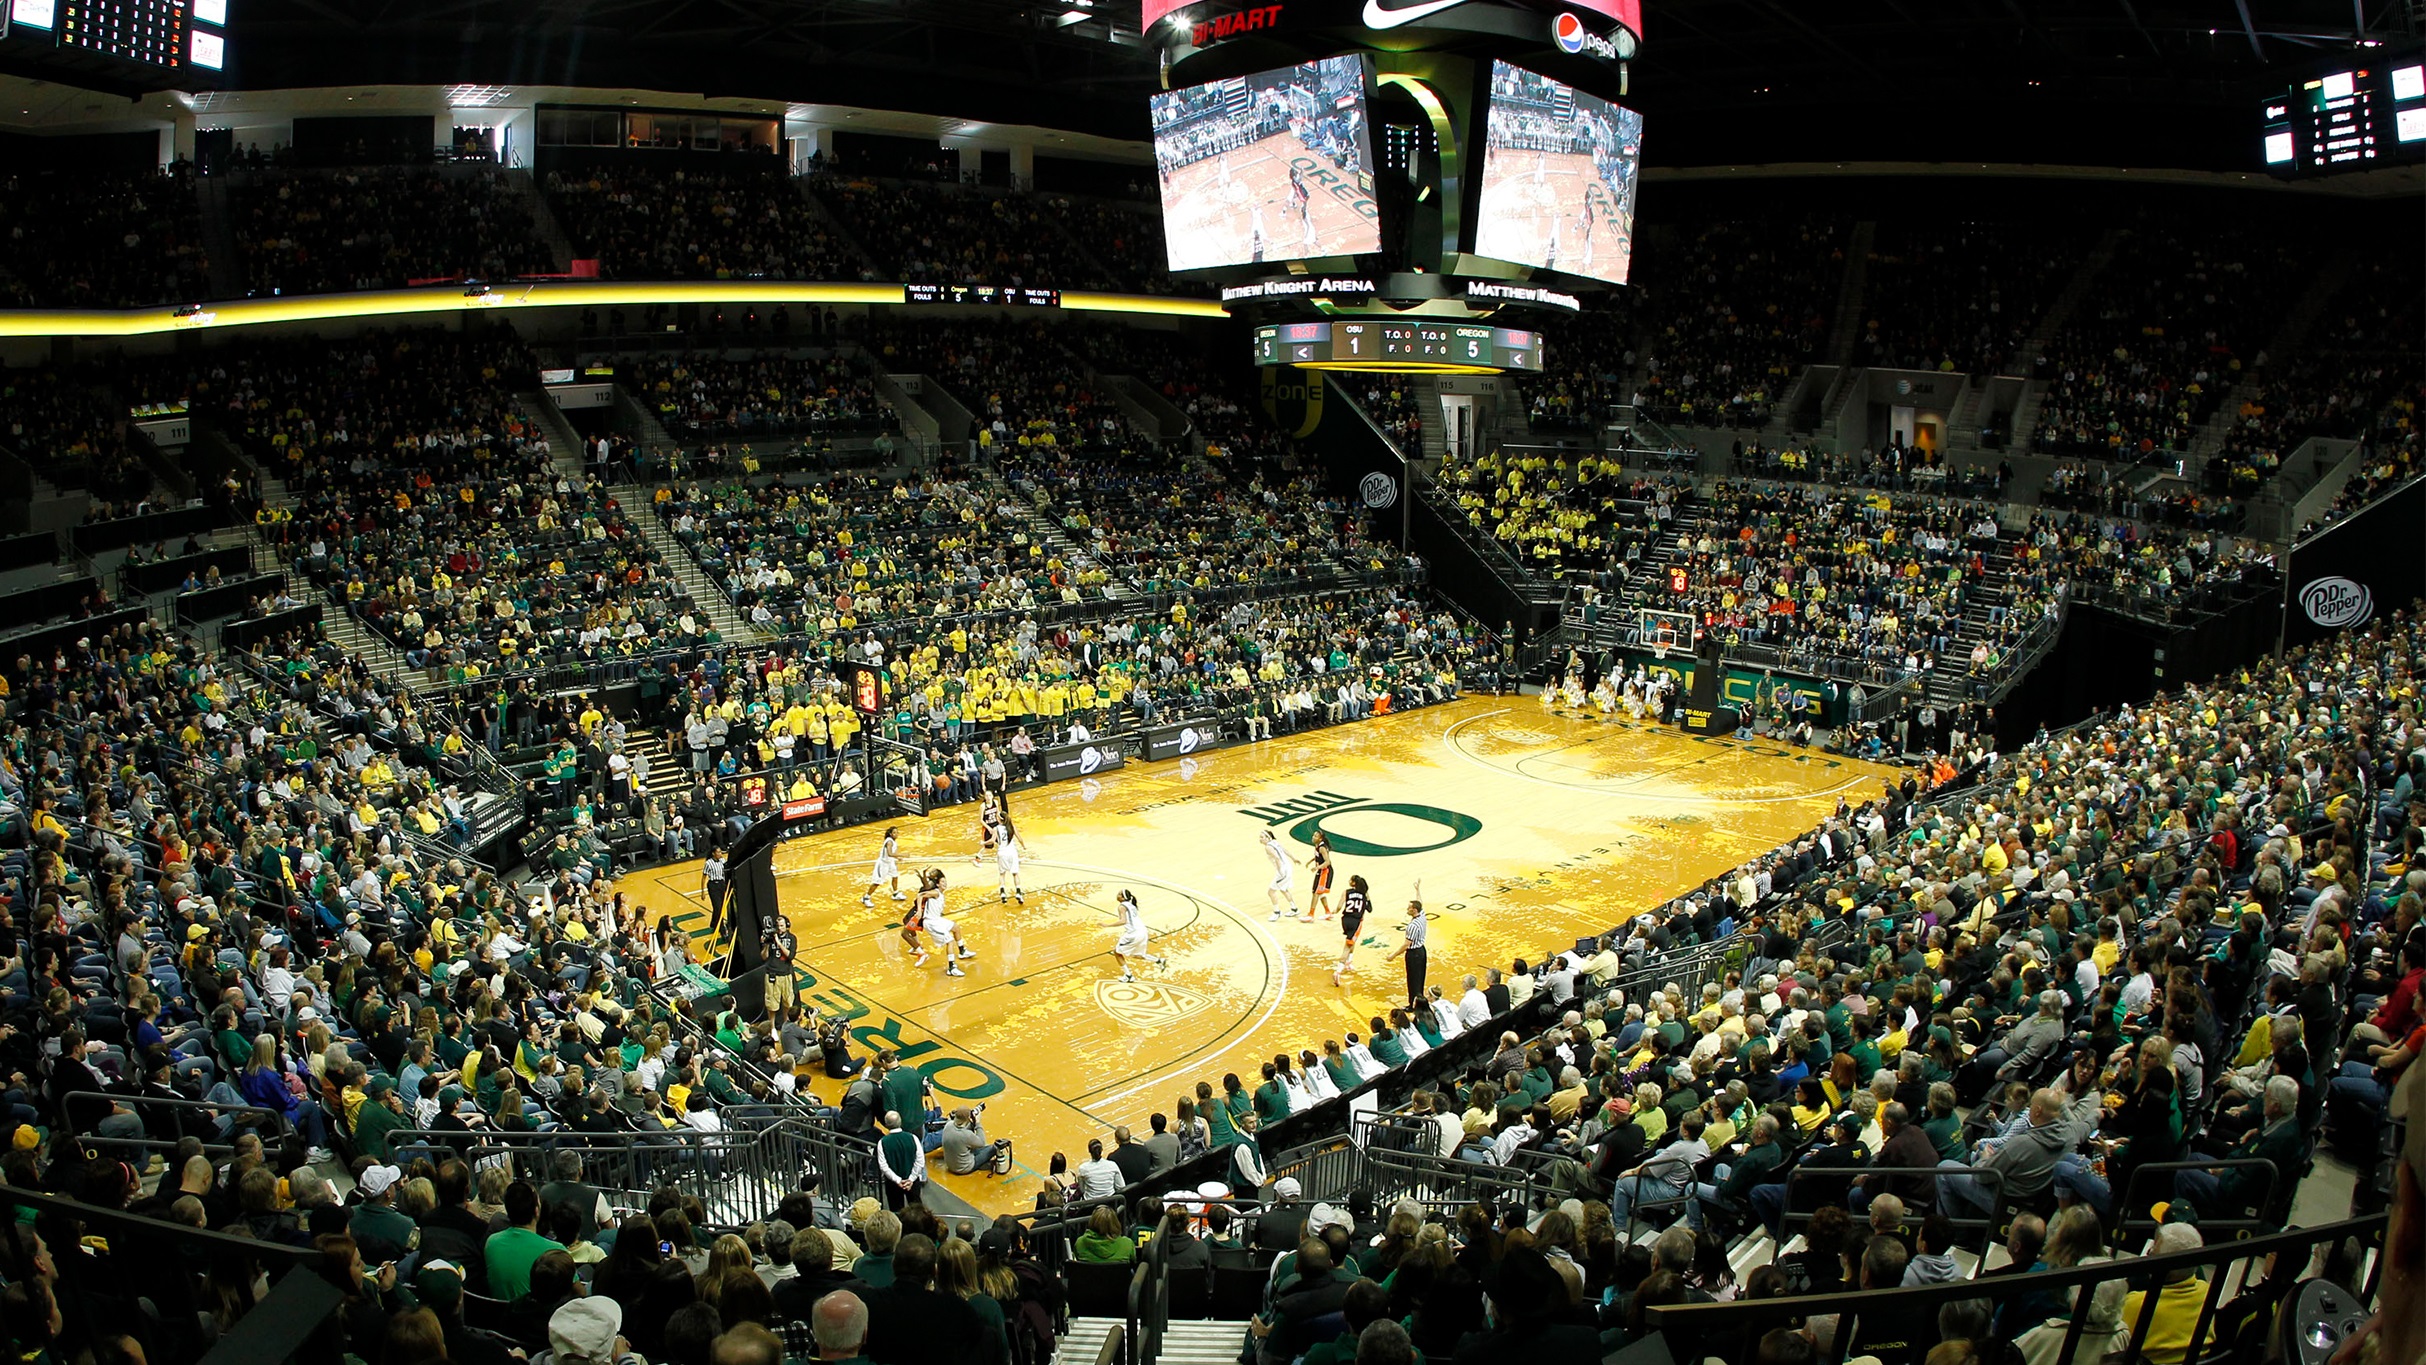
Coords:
1417,929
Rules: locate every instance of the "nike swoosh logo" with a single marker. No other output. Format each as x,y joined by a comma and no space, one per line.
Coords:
1379,16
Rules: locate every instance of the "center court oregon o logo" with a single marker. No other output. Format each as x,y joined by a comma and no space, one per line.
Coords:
1313,808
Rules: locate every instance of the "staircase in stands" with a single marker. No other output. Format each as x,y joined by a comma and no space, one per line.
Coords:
1183,1343
1848,326
524,185
219,237
641,515
564,452
2309,306
1044,530
339,624
2059,312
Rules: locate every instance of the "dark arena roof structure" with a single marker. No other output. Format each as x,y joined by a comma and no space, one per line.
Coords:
1828,595
2084,82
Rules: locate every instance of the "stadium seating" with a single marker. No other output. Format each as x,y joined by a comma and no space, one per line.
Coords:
99,240
1962,296
2184,310
1734,313
322,232
688,225
930,234
209,831
763,393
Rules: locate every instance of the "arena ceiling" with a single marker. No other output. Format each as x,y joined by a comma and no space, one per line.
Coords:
2094,82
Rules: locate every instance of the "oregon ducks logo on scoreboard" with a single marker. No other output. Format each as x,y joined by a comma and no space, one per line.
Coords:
1314,809
1293,399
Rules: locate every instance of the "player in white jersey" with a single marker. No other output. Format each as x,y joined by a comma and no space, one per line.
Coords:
1006,862
1221,170
1284,875
939,926
887,871
1133,935
915,922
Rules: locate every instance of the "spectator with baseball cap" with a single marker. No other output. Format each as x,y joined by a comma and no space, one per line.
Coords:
438,1284
377,1227
588,1331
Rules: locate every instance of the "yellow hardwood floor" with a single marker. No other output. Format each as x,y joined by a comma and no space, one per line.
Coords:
1526,828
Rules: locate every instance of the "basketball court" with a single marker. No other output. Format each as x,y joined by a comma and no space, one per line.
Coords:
1210,218
1533,211
1525,826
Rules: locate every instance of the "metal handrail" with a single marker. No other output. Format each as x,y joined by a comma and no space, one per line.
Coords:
2209,1222
270,1119
1696,1330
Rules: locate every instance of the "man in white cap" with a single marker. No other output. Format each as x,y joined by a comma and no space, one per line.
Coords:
1282,1224
588,1331
383,1233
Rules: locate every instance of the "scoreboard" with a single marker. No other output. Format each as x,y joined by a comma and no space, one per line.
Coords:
165,39
144,32
2352,119
1413,344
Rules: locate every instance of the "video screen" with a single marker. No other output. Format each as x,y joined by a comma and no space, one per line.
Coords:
1559,170
1277,166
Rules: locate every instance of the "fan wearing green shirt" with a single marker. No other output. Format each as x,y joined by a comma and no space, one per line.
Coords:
510,1254
381,1115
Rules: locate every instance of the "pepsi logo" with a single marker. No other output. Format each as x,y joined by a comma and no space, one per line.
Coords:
1572,38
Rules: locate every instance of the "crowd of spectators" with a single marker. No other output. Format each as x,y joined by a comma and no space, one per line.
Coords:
306,232
1392,406
1584,520
1160,523
714,395
1585,368
2386,463
2183,936
2355,375
96,239
1125,238
831,555
2176,318
1013,376
929,234
978,697
647,224
424,504
1961,296
1824,575
69,423
1734,314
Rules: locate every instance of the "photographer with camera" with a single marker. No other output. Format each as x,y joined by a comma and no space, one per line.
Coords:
964,1147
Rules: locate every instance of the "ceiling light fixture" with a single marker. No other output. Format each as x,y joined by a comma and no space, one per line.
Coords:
476,96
